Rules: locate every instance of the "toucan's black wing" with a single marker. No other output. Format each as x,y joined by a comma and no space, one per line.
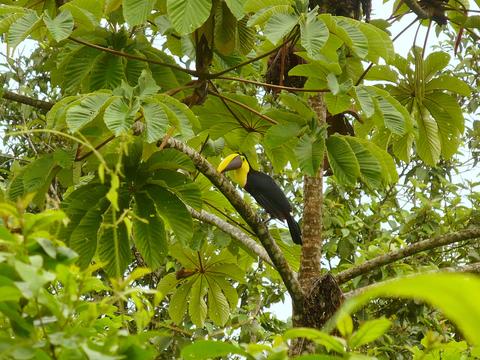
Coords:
268,194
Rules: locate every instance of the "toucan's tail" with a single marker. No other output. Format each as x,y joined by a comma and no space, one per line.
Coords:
294,228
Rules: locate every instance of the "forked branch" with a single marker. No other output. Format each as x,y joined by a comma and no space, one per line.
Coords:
463,235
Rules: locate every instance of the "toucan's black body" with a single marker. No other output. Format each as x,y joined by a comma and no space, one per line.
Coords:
269,196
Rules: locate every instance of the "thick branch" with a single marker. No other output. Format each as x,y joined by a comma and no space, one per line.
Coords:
245,240
252,219
412,249
22,99
470,268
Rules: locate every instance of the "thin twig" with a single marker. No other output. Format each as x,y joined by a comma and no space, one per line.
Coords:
246,107
134,57
288,88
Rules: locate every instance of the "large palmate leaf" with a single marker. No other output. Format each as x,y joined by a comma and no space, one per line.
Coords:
83,111
156,120
84,237
370,167
208,291
395,116
313,35
78,67
188,15
179,115
181,185
136,12
107,72
120,115
428,141
149,231
169,159
310,153
279,26
225,30
173,211
22,28
61,27
84,208
342,160
113,245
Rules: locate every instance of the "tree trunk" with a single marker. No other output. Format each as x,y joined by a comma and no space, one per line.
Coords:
323,296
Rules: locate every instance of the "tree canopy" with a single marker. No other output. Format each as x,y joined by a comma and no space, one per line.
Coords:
119,239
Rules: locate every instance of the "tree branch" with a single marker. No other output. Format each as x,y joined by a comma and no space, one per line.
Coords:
253,220
246,107
412,249
22,99
134,57
470,268
234,232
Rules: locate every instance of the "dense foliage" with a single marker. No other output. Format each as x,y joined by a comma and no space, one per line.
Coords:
118,239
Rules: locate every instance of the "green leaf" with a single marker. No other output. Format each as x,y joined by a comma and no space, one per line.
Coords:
156,120
169,159
181,185
313,35
369,331
428,141
395,116
435,62
83,238
337,104
279,26
136,12
359,42
178,302
173,211
180,115
370,169
113,246
78,67
165,286
329,341
61,27
342,160
208,349
149,232
278,135
188,15
225,30
236,7
366,102
345,325
218,308
119,116
9,293
310,153
23,27
455,294
84,111
197,307
107,72
449,83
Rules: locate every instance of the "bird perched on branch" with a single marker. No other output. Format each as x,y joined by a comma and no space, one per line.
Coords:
264,190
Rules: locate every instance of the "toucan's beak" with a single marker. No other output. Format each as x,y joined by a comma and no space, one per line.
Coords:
231,162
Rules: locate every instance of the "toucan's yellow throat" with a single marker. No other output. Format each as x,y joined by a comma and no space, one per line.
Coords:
238,163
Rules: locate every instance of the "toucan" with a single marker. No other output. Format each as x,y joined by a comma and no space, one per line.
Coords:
264,190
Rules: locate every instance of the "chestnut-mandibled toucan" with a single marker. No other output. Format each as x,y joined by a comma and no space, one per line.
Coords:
264,189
